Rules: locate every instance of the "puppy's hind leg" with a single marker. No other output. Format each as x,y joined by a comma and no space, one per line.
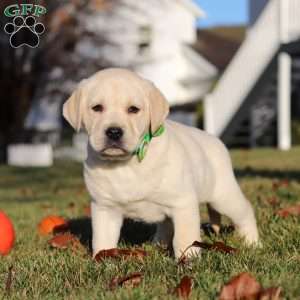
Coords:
231,202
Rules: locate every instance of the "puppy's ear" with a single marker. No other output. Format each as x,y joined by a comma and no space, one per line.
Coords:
73,108
159,107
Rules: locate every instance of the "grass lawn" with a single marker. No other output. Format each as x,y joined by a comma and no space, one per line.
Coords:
39,272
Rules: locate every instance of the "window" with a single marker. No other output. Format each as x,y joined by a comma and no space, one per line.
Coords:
145,33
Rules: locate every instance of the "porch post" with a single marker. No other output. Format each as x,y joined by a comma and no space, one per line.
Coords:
284,9
284,101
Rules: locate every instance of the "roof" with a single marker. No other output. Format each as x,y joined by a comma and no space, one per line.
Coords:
193,7
219,45
198,61
234,33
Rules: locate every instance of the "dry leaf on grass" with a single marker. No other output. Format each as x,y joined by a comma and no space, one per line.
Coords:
183,261
131,280
64,241
71,205
245,286
280,184
9,280
275,186
184,288
49,223
120,253
81,191
272,293
289,211
216,246
46,206
87,210
242,286
273,201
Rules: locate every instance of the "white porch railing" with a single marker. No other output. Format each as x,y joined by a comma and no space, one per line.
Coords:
278,23
293,20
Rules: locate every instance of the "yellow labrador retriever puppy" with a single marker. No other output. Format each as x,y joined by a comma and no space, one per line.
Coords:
144,167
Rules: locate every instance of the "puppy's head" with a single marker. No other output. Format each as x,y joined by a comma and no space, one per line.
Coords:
116,107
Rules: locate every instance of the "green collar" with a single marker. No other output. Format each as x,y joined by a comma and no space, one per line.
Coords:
141,149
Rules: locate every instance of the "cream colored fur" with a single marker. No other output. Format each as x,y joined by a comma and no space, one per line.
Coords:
183,167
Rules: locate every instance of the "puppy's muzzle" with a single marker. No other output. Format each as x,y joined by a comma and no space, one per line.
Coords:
114,133
114,147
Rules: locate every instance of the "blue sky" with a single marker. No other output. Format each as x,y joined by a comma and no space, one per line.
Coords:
223,12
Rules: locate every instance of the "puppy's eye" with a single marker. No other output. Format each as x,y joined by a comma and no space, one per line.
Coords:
98,108
133,110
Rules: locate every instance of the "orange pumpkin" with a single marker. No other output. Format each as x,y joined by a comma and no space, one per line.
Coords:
49,223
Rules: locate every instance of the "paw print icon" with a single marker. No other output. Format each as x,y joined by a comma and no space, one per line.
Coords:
24,32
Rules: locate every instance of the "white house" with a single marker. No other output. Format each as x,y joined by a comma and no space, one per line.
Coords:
251,104
151,37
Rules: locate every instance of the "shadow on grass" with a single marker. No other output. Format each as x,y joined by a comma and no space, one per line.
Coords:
132,233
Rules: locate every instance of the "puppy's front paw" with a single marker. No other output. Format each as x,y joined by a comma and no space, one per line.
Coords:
95,252
253,242
189,251
251,236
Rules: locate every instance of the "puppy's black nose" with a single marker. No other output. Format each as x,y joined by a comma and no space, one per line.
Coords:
114,133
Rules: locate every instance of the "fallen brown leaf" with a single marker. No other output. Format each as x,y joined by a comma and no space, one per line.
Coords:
216,246
81,191
183,260
9,279
285,182
131,280
120,253
184,288
279,184
275,186
242,286
289,211
71,205
64,241
46,206
49,223
273,201
87,210
272,293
